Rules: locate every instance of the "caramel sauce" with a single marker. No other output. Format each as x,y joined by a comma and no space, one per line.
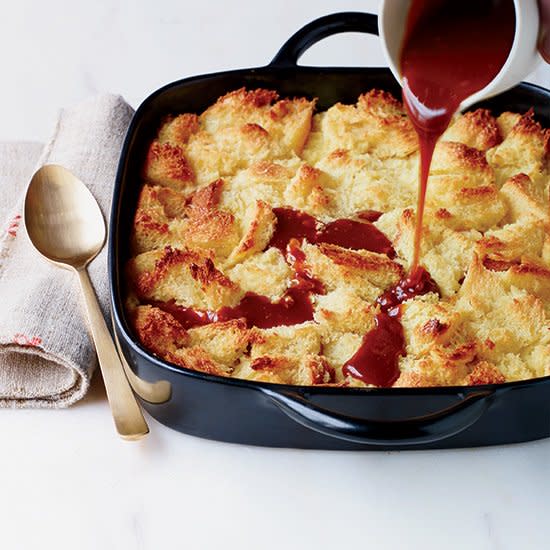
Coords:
377,359
356,235
451,50
293,308
295,305
292,224
369,215
347,233
416,283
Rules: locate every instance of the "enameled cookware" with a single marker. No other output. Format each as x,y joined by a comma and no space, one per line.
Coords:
242,411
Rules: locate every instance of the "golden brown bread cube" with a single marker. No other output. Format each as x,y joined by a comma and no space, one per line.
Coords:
224,342
188,277
266,273
167,165
463,183
478,129
524,150
246,127
367,273
376,124
258,227
177,130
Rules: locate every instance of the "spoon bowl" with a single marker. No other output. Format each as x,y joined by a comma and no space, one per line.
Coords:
65,224
63,220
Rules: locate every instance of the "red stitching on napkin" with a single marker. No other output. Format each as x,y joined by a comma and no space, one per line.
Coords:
14,225
22,340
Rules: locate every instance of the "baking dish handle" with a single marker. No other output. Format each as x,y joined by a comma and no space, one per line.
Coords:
408,432
298,43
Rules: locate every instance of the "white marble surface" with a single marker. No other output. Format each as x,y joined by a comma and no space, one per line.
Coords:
68,482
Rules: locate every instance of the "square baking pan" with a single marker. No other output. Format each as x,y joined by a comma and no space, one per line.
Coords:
318,417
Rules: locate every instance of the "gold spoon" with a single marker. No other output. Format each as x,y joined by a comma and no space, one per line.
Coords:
66,226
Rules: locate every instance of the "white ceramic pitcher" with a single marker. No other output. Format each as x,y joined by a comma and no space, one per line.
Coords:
521,61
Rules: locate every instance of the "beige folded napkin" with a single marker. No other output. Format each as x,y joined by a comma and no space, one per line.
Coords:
46,355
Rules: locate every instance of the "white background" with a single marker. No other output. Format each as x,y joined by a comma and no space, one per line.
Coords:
57,52
66,481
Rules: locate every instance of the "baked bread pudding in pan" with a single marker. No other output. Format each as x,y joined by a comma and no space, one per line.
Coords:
270,240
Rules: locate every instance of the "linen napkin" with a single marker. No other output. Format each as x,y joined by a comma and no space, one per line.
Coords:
46,353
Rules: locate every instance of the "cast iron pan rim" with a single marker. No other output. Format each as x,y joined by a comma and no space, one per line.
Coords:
535,88
266,69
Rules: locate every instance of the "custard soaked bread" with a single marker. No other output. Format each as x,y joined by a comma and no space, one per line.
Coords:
266,236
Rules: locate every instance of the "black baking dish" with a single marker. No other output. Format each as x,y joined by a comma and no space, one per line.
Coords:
256,413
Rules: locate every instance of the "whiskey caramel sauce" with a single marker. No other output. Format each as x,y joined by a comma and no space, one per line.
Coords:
451,50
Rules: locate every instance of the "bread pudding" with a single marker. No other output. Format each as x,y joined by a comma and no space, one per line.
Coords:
270,242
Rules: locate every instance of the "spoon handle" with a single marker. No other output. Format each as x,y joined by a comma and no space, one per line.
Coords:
127,414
